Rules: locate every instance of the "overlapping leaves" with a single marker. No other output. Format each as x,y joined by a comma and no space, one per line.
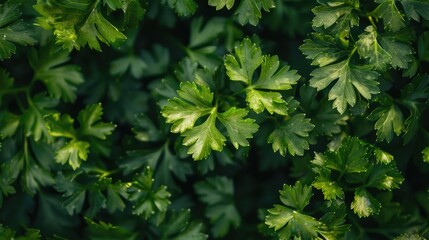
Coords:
194,101
261,95
357,163
91,128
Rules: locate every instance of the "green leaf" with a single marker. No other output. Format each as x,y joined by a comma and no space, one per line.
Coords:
180,227
271,101
369,48
401,54
296,197
289,221
203,35
9,123
182,7
331,190
148,199
406,236
13,30
249,59
217,193
130,62
91,124
326,16
291,135
351,157
271,79
33,118
242,68
425,153
415,9
76,23
350,77
384,177
389,120
219,4
60,126
392,17
133,12
194,101
6,82
107,231
238,128
322,49
364,204
61,80
249,11
73,153
204,138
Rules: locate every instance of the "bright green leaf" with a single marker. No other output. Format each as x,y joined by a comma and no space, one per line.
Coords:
364,204
249,57
73,153
194,101
238,128
271,101
219,4
76,23
204,138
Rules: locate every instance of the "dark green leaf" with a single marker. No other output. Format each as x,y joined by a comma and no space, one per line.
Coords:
291,135
13,30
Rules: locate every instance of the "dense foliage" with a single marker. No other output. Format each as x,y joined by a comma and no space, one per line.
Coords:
218,119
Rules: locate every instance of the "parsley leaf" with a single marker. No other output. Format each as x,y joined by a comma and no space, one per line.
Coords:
91,129
182,7
203,138
61,80
102,230
90,122
369,48
291,135
238,129
13,30
289,220
416,9
180,227
217,193
364,204
322,49
249,11
146,197
389,120
33,118
86,24
242,67
392,17
219,4
195,101
350,77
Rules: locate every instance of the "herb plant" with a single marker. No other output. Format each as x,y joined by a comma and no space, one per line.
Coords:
218,119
